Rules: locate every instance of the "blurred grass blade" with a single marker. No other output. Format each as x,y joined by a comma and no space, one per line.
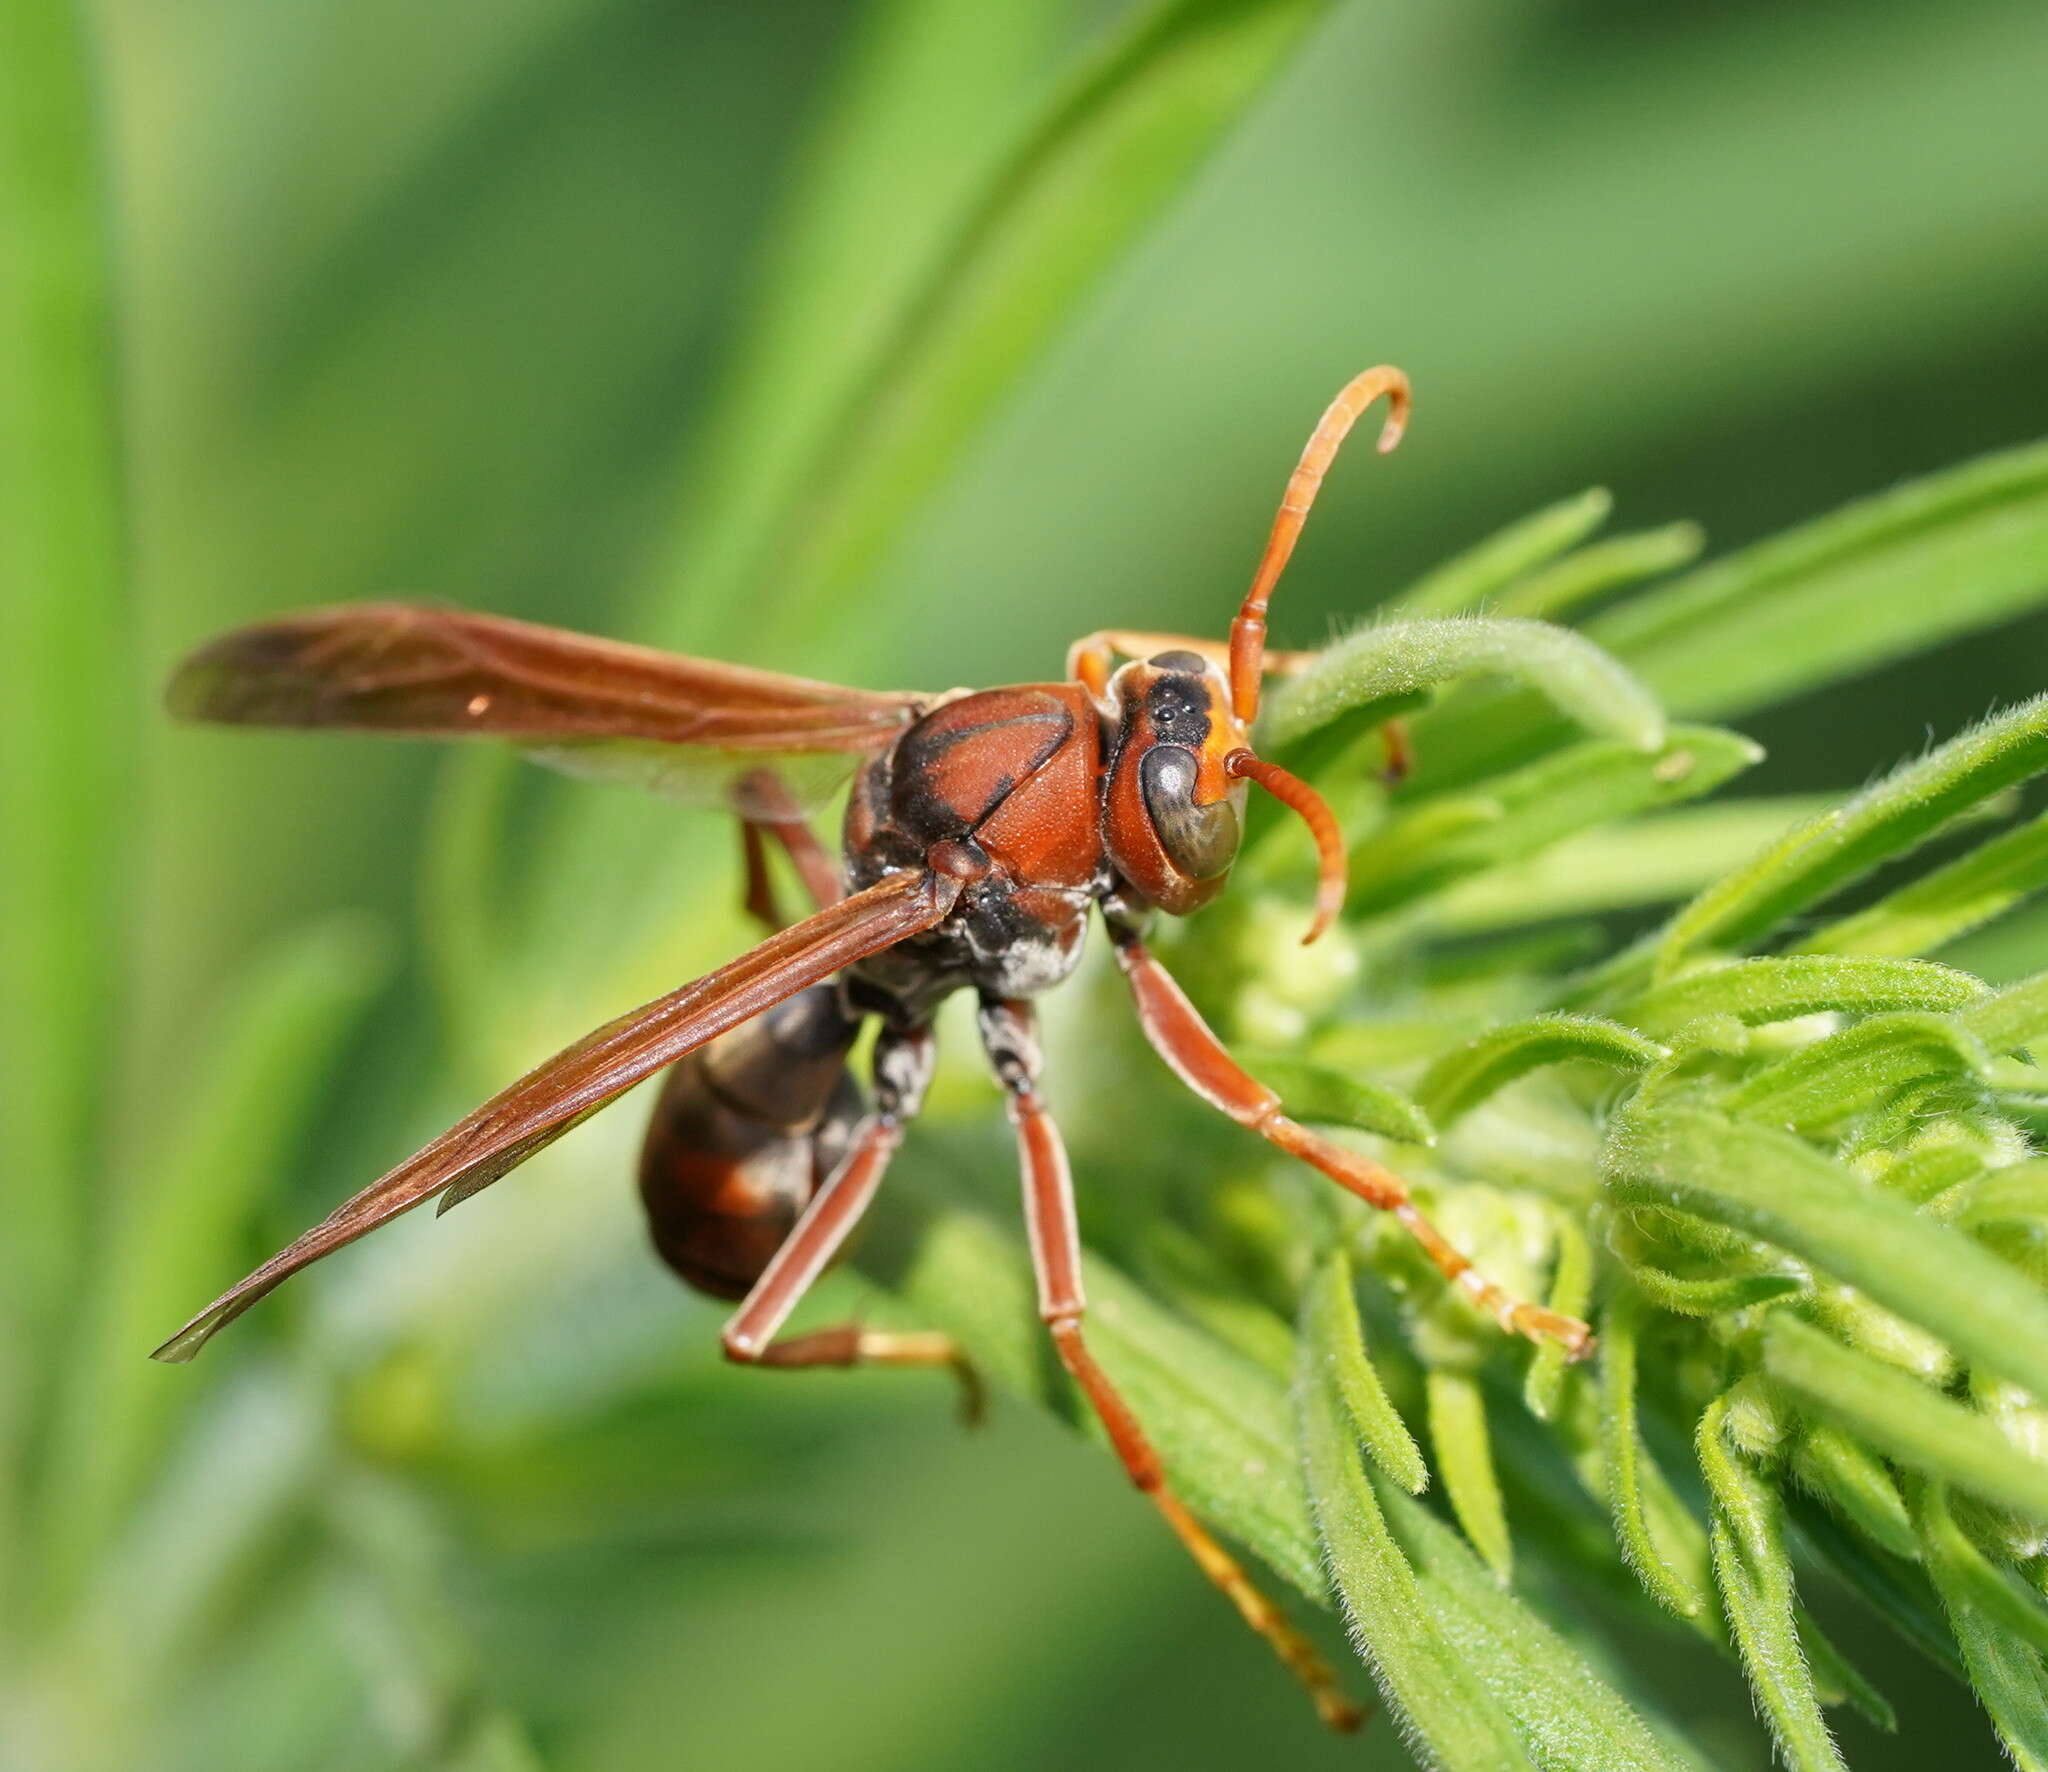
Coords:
1626,1460
1467,1075
1591,572
1948,903
1888,819
1464,1453
1755,1578
265,1065
1468,1728
1399,657
1333,1310
1767,1183
1903,1418
1882,577
1480,573
905,137
66,667
1317,1092
1513,816
462,885
1090,176
1782,988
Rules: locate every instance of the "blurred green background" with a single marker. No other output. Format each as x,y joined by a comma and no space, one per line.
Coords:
467,301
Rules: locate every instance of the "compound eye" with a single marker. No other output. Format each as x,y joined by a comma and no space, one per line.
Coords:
1201,841
1178,661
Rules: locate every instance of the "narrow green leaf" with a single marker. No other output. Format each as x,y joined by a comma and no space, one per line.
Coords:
1333,1310
1755,1578
1880,578
1779,989
1838,1679
1570,1719
1187,1273
1467,580
1397,658
1651,860
1624,1458
1593,571
1711,1297
1571,1292
2013,1194
1968,1577
1522,813
2010,1683
277,1037
1841,1471
1932,1169
1770,1184
2005,1663
1858,1069
1464,1453
1089,177
1219,1419
1947,904
66,658
1889,818
1465,1076
1903,1418
1895,1591
1319,1093
2013,1018
1426,1680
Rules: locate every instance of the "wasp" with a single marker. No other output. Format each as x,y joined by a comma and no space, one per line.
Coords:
981,831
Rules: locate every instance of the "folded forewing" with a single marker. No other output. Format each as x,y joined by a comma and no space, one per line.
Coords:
687,727
568,1088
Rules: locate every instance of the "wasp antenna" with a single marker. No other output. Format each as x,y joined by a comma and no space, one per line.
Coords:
1248,631
1297,796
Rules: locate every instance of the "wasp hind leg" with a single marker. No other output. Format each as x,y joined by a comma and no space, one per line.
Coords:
903,1069
765,791
1011,1040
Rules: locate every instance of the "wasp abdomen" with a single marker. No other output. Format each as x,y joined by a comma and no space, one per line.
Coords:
745,1131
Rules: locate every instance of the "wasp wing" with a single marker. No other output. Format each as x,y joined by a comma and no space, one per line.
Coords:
687,727
545,1103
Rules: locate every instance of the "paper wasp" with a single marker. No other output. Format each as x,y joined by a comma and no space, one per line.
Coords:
981,829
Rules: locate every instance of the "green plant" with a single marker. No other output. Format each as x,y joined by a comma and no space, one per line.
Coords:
1784,1158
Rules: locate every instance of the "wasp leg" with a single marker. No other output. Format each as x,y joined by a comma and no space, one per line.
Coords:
813,862
1011,1039
1198,1058
1399,751
903,1069
849,1344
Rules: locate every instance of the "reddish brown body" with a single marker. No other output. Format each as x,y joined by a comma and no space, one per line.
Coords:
744,1132
980,831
